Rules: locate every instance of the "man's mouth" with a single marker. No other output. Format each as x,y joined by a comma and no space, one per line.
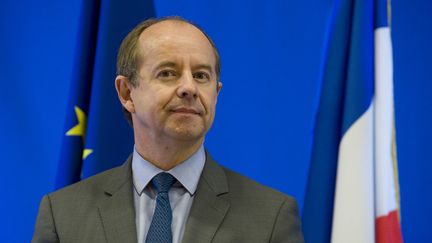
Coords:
186,110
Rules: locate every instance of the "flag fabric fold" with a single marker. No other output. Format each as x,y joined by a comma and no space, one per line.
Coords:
97,137
352,183
71,155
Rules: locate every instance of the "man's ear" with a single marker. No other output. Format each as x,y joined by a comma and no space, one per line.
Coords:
124,88
218,89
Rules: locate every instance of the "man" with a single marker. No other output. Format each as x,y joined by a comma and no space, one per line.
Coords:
169,190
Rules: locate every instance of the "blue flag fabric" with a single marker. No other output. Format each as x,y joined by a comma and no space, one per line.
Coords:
346,93
69,169
97,137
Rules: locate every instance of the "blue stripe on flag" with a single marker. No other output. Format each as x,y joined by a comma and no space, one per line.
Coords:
346,93
381,18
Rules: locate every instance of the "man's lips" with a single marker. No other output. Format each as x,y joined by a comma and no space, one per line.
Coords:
186,110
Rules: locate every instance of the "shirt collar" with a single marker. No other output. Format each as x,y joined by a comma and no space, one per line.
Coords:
187,173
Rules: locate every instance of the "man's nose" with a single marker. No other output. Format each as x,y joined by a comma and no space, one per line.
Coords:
187,87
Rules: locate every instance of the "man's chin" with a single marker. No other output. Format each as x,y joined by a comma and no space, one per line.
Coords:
187,133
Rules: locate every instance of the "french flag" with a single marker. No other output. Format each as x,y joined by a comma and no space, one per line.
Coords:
352,193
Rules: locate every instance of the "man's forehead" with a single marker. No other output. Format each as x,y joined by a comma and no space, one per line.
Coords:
167,36
174,29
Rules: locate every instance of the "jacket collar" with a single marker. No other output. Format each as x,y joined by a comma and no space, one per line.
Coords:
209,207
117,211
207,212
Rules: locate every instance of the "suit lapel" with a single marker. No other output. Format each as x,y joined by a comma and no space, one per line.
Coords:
118,211
208,209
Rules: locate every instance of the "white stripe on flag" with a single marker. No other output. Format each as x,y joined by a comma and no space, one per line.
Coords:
353,213
387,225
385,185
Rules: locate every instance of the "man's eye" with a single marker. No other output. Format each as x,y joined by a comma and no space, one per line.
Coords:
166,74
201,76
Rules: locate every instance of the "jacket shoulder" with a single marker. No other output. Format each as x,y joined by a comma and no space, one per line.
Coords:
243,186
92,188
265,214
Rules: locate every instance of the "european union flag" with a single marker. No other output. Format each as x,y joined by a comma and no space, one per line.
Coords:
97,137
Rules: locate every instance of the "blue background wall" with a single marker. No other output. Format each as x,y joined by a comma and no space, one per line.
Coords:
271,55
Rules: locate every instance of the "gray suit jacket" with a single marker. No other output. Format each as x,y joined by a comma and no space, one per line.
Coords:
227,208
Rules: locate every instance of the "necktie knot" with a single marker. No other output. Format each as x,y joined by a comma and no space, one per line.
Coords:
163,181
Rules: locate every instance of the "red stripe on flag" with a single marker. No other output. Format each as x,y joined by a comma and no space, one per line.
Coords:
388,229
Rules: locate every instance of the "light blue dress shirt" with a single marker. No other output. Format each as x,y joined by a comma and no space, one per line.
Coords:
181,195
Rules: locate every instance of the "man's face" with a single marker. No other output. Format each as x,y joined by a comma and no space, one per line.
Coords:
177,91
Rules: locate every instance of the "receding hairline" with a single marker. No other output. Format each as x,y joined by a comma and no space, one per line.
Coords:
176,22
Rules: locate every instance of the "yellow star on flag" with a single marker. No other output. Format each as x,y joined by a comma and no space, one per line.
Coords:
86,153
80,129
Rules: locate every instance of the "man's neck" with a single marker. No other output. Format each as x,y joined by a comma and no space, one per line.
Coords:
166,155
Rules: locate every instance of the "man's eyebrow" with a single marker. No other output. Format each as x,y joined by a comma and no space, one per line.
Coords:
174,64
204,66
166,64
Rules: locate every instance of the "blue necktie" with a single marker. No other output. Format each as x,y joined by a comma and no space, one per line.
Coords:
160,227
